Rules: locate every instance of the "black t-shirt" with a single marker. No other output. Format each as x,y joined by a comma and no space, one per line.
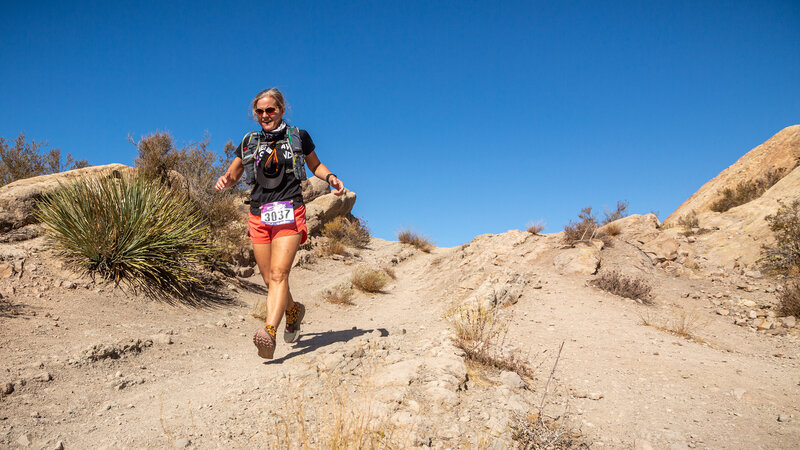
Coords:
289,187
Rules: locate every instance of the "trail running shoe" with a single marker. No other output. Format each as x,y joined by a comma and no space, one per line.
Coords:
294,318
265,343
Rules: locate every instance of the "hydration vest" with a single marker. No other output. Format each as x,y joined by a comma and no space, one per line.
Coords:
251,143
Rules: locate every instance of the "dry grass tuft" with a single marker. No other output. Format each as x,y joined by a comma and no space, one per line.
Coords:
790,300
332,247
747,191
612,229
617,284
683,323
350,232
480,333
369,280
535,227
341,294
415,239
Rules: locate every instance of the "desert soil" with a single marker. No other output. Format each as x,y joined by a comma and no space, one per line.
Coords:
185,376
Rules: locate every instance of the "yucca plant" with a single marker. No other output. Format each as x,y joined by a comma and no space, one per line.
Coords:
128,230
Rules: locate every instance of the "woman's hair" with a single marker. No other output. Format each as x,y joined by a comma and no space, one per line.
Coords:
271,92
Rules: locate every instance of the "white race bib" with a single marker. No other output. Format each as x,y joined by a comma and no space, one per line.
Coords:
277,213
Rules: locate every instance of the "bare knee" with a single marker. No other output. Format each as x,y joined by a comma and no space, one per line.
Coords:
278,275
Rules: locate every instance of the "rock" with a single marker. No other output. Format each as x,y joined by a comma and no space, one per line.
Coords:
723,311
163,338
182,442
662,248
222,324
101,351
583,259
24,440
595,396
327,207
59,445
764,325
43,377
752,314
18,199
6,270
69,285
511,380
314,188
8,388
789,322
245,272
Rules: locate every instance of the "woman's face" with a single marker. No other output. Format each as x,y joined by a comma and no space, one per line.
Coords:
268,113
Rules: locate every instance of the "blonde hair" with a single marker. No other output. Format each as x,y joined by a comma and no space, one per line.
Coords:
271,92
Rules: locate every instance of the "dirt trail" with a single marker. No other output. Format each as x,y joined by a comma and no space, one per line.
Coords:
627,384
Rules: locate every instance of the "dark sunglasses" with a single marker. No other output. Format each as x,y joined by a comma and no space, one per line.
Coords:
269,111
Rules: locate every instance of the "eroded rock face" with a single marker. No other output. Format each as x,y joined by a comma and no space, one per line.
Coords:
326,208
781,151
314,188
17,199
583,259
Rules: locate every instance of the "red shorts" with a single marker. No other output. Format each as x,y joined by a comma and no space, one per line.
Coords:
261,233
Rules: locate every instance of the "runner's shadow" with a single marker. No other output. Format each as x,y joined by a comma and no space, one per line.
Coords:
313,341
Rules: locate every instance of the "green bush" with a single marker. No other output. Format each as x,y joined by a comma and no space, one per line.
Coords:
784,255
128,230
27,159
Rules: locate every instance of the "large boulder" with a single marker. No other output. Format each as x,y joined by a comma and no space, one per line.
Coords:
313,188
326,208
17,199
584,259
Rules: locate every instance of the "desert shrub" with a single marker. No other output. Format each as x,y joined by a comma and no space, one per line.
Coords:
480,334
618,284
535,227
612,229
351,232
332,247
200,168
584,230
28,159
689,220
789,300
128,230
619,213
369,280
784,255
683,323
389,271
538,431
415,239
341,294
747,191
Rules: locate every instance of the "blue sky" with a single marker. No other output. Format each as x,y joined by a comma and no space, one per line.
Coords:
453,118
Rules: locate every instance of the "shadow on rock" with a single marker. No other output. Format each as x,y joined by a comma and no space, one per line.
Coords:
314,341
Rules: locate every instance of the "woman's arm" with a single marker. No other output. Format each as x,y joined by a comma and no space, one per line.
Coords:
322,172
232,175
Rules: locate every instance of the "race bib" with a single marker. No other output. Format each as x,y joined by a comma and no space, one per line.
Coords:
277,213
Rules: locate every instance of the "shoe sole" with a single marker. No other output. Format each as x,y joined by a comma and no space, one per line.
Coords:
292,337
264,343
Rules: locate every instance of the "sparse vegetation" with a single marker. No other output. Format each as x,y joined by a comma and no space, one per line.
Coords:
584,230
369,280
789,300
351,232
538,431
200,168
689,221
332,247
415,239
682,324
535,227
28,159
341,294
784,255
480,333
128,230
619,213
612,229
747,191
618,284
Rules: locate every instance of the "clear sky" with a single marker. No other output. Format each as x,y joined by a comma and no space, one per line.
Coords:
455,118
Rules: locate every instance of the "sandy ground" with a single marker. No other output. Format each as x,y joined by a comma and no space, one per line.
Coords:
628,385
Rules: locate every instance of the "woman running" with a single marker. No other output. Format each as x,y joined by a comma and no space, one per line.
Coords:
272,160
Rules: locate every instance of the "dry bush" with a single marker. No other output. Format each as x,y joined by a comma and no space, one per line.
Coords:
784,255
683,323
28,159
332,247
535,227
389,271
584,230
747,191
415,239
200,168
789,300
481,334
351,232
689,221
619,213
341,294
618,284
369,280
538,431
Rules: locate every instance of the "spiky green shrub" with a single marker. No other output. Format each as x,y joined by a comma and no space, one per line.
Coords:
128,230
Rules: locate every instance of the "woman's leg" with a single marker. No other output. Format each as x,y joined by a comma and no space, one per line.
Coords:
263,253
282,256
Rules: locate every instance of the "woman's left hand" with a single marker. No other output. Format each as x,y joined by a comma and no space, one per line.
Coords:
336,184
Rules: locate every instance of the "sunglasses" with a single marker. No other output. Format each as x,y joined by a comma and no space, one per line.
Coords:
270,111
